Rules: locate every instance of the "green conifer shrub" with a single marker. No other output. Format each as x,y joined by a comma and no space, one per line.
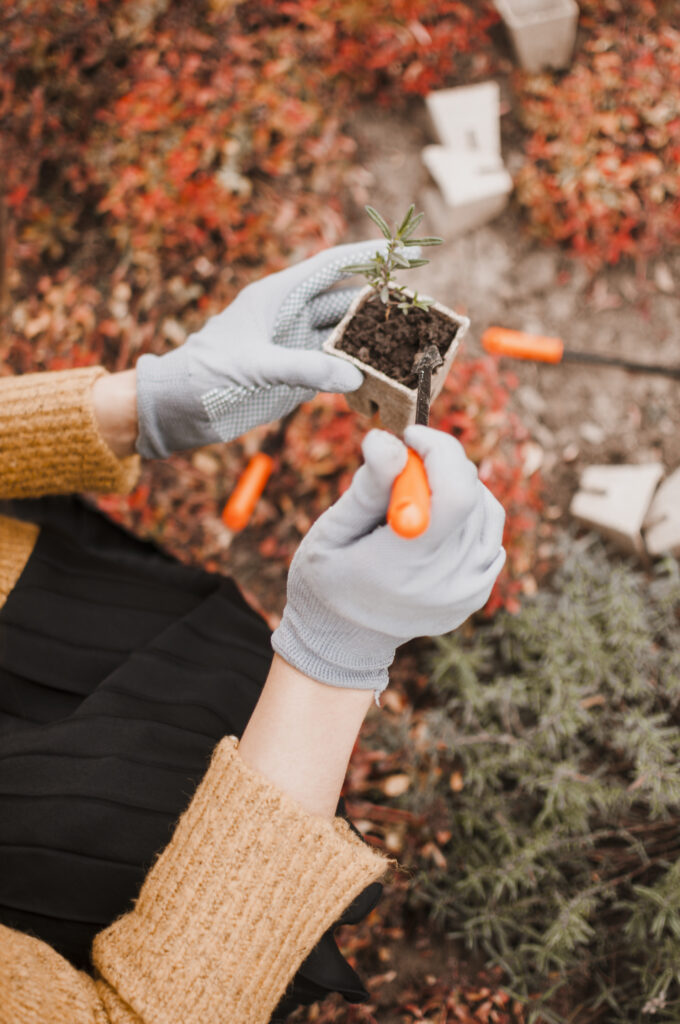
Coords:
564,859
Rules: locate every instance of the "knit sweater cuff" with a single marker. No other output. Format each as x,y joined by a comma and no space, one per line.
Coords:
247,886
17,541
49,439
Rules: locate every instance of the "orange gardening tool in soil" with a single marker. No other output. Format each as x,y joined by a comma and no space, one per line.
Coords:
253,480
409,510
519,345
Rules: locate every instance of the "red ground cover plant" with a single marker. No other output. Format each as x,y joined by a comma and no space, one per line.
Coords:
158,159
604,147
390,49
198,140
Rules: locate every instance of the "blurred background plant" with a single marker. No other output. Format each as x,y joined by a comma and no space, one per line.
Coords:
546,771
603,142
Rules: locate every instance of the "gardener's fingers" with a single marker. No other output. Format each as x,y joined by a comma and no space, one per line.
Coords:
295,288
327,310
311,369
452,478
364,505
478,586
348,256
290,289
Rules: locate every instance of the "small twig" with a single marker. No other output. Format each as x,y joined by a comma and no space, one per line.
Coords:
486,737
428,361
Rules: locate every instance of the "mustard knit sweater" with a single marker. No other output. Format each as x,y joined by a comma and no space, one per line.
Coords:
249,882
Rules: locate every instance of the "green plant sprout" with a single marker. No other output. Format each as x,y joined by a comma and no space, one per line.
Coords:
379,271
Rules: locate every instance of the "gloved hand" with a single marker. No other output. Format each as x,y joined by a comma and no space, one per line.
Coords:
253,362
356,590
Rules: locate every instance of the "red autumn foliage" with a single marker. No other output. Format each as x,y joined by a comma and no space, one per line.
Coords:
602,156
176,123
157,159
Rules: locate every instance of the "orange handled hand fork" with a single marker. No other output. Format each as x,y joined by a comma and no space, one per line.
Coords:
253,480
409,509
245,496
501,341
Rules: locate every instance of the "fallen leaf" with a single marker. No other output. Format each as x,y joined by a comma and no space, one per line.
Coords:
456,782
395,785
432,851
663,279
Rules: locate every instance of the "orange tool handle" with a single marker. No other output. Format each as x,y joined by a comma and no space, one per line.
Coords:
503,342
409,509
238,510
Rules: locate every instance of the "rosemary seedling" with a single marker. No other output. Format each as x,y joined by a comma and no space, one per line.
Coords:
379,271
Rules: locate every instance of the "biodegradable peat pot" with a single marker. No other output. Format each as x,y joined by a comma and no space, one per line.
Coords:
475,188
543,32
395,400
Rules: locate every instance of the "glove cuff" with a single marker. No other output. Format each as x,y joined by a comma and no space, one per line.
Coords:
161,381
317,641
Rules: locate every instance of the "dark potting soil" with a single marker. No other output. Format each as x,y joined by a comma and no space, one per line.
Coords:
393,344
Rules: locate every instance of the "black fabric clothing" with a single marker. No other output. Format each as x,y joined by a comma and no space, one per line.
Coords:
120,670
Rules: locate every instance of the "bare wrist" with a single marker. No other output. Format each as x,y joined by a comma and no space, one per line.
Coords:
301,735
114,398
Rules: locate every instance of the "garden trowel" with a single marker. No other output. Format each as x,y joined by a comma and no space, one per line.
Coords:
253,480
520,345
409,510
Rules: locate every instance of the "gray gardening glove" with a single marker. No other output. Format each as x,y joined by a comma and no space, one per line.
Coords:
252,363
356,590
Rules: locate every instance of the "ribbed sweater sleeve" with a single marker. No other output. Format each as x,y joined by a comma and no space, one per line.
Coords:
49,439
247,886
17,540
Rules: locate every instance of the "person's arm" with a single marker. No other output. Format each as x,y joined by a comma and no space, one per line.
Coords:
301,735
114,399
257,870
54,441
61,432
251,878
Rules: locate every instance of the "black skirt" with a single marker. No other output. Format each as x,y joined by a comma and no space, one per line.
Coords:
120,670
